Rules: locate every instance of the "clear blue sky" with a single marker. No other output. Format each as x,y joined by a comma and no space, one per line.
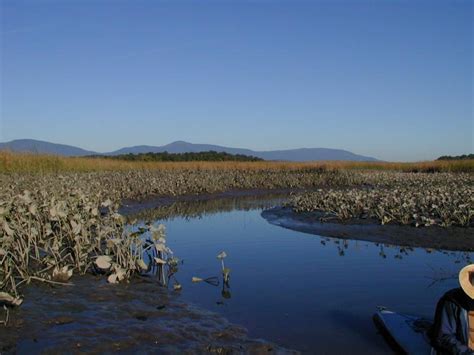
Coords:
390,79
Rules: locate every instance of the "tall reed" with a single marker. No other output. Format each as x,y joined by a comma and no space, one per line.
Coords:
37,163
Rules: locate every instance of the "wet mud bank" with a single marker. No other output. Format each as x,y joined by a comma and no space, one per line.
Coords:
93,316
433,237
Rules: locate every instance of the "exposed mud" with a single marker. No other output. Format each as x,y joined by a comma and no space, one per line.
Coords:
433,237
93,316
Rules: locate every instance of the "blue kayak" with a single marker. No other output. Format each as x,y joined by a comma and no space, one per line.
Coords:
407,332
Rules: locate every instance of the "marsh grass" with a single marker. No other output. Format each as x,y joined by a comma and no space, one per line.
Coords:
37,163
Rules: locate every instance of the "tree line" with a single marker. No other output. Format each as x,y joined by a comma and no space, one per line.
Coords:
458,157
189,156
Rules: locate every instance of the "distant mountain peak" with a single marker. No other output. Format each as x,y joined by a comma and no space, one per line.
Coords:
301,154
43,147
178,142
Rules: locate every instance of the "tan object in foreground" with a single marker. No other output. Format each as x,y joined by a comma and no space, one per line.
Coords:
466,279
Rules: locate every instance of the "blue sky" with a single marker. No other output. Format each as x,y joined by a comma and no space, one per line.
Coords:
390,79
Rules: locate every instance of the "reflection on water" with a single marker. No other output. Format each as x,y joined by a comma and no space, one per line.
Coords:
301,291
165,209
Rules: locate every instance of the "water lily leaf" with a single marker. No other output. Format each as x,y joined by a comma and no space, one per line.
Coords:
112,279
158,233
160,247
76,227
121,273
9,300
141,264
7,229
62,274
32,209
104,262
118,217
173,261
26,198
112,242
106,203
222,255
61,213
48,229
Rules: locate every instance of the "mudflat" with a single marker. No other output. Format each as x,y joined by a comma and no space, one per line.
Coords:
434,237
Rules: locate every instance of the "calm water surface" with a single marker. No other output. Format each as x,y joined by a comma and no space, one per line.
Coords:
303,291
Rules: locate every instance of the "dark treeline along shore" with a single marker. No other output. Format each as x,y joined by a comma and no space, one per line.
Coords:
179,157
457,157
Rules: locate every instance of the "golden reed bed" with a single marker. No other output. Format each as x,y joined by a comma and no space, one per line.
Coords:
38,163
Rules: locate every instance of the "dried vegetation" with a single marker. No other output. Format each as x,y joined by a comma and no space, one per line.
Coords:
442,199
34,163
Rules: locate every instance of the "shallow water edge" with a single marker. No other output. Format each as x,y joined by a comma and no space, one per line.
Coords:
434,237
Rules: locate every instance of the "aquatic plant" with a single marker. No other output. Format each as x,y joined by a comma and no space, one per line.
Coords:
57,229
225,271
413,199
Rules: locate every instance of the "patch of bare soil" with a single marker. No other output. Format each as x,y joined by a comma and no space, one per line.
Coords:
95,317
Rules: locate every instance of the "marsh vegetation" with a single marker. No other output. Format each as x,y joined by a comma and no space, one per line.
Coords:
34,163
443,199
54,225
59,217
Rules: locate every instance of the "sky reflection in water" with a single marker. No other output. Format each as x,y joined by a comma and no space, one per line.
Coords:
304,291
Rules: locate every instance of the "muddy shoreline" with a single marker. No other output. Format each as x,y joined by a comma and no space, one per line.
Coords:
91,315
433,237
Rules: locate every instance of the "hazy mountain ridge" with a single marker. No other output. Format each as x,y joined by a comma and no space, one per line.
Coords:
301,154
42,147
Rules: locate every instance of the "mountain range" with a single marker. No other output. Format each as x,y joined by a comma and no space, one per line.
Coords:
301,154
